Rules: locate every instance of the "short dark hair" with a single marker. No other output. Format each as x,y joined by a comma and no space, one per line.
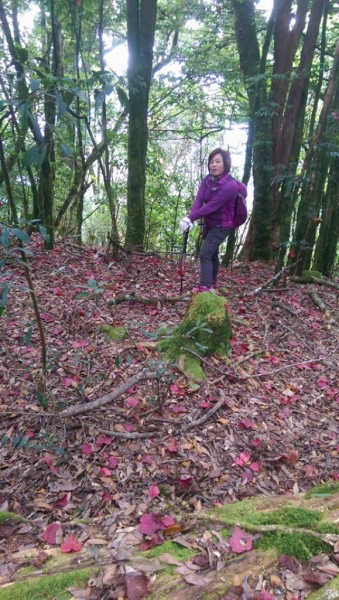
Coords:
225,157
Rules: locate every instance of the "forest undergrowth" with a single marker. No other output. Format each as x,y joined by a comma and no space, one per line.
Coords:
169,451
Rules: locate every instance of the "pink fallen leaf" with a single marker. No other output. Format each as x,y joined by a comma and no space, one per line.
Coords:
153,491
322,382
150,524
255,466
147,459
61,502
52,534
71,544
205,404
168,521
128,427
103,439
46,317
246,423
176,390
57,291
240,541
71,382
132,401
255,442
186,482
87,449
172,446
178,408
113,462
105,471
107,497
79,344
48,459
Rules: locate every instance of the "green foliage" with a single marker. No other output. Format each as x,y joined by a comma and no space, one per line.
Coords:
324,489
47,587
94,290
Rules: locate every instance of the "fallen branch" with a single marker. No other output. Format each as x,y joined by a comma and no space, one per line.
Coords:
310,279
174,432
317,301
133,298
267,284
80,409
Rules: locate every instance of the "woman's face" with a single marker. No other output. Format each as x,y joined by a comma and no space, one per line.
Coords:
216,165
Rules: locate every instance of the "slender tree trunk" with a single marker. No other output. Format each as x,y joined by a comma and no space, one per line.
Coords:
141,20
326,247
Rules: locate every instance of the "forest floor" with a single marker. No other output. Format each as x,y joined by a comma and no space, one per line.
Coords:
275,433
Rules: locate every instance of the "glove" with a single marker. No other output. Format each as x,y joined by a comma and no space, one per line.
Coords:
185,225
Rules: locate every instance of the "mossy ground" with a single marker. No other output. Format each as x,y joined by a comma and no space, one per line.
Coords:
205,330
47,587
114,333
6,516
298,544
323,490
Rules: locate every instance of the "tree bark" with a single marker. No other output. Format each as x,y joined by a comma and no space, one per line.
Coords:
141,21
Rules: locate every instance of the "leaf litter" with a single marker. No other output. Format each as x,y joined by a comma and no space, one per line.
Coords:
276,431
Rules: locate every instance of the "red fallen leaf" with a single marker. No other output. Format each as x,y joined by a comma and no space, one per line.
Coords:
71,544
137,586
322,382
30,434
205,404
46,317
240,541
103,439
150,524
54,470
52,533
61,502
264,595
105,471
336,476
246,423
289,562
153,491
107,497
255,442
80,344
168,521
87,448
57,330
48,459
132,401
128,427
186,482
113,462
178,408
71,382
176,390
57,291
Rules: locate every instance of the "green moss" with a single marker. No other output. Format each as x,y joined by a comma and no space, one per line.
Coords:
170,547
47,587
114,333
310,273
6,516
289,517
330,591
324,489
302,546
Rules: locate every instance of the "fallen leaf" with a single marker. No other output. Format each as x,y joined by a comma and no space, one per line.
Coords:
71,544
53,533
240,541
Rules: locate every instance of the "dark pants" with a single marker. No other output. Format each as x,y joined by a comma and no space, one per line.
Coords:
209,254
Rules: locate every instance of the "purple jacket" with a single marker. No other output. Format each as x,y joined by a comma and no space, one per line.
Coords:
215,202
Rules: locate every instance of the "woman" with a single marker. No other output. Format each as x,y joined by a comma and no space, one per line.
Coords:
214,203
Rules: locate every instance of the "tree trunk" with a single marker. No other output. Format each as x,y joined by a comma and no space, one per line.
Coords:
141,20
326,247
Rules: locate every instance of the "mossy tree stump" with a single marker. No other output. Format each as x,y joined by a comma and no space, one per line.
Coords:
205,330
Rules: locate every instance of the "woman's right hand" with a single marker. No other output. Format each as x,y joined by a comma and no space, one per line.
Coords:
185,224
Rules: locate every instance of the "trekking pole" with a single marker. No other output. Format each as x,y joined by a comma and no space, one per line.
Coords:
183,260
